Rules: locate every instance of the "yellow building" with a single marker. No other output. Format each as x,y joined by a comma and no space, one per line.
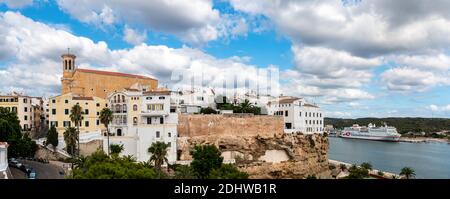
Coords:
90,83
29,113
60,107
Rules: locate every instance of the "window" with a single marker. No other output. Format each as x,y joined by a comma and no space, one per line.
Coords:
66,111
25,117
314,114
25,101
98,104
66,124
169,144
25,109
169,134
149,120
135,107
86,111
98,122
53,111
300,113
66,101
86,123
135,121
124,108
54,123
98,113
149,98
157,134
172,110
285,113
161,120
53,101
14,109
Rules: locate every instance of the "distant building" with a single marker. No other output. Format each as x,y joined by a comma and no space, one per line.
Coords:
142,118
299,116
28,110
95,83
192,101
60,109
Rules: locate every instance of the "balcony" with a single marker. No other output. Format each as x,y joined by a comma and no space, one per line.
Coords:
154,113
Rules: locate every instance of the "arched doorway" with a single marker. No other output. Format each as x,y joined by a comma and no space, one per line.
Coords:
119,132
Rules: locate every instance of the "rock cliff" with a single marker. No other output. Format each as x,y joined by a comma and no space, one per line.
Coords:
269,156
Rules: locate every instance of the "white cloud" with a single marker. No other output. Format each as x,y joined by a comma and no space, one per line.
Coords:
365,29
194,21
134,37
17,3
439,108
405,79
35,48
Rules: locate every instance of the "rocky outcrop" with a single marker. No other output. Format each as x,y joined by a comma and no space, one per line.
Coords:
263,156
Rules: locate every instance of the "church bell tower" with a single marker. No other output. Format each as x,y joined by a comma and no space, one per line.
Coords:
69,67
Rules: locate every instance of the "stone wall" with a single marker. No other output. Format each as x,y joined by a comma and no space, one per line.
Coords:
306,154
234,124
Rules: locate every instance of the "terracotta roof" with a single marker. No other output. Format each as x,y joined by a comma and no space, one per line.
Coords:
113,73
285,100
82,98
157,93
310,105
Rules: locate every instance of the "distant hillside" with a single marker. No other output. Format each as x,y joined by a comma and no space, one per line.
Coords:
403,125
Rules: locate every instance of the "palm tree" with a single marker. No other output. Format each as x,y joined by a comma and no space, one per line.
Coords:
159,153
408,172
70,137
106,117
245,106
76,116
366,165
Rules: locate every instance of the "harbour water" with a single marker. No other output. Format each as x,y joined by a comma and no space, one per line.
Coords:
429,160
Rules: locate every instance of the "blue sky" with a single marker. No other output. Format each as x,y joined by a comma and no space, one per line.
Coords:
367,59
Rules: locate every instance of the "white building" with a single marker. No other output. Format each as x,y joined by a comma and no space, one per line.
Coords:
191,101
299,116
141,119
3,158
25,109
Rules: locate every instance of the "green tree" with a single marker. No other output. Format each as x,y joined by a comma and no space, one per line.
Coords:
116,149
159,153
357,172
106,117
366,165
184,172
20,145
205,159
245,107
76,116
408,172
227,171
101,166
52,137
71,138
208,110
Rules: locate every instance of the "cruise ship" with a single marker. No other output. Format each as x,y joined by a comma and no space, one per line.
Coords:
371,132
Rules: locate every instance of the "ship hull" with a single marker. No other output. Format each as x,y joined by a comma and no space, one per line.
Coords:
371,137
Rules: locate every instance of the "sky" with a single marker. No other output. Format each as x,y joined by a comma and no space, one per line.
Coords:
354,58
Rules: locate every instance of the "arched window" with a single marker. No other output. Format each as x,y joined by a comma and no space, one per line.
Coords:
115,99
135,107
65,63
135,121
123,98
124,108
